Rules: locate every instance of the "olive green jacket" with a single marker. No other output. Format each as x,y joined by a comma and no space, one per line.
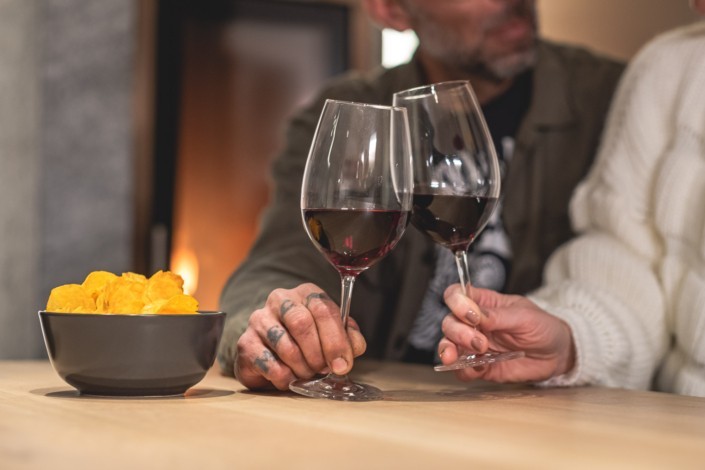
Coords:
555,146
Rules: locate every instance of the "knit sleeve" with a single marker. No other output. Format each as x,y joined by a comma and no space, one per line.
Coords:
612,302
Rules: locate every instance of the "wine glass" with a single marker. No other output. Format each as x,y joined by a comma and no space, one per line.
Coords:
356,203
456,178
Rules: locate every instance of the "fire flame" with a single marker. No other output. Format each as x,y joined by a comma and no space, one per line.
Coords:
185,264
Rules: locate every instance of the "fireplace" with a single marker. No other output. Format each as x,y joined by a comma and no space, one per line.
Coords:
217,85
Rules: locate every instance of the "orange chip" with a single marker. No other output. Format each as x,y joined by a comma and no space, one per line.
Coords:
180,303
163,285
70,298
122,295
154,307
135,277
96,281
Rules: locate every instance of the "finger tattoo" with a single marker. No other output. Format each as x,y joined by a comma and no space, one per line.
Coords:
274,334
315,295
285,307
262,362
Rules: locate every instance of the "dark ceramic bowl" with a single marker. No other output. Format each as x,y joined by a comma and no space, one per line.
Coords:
146,355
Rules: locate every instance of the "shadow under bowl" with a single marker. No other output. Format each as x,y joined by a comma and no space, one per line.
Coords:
132,355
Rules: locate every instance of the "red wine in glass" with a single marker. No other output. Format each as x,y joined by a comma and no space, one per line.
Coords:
355,239
452,220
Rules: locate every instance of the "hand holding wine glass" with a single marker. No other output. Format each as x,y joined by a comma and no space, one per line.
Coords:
456,178
355,202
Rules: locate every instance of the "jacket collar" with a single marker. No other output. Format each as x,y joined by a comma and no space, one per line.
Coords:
550,103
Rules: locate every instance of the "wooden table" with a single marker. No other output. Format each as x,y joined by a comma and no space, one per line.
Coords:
427,420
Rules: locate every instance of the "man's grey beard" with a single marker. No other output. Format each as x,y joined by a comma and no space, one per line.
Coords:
496,69
505,68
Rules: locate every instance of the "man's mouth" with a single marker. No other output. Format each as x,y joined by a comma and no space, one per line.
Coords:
512,29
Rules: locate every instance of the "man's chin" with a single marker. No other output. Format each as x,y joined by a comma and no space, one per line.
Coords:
512,65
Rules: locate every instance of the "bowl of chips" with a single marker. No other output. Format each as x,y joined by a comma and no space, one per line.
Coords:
129,335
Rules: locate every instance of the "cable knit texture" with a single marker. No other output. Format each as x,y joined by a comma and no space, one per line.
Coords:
632,285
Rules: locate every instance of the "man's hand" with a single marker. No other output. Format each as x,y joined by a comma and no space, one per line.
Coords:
297,334
482,319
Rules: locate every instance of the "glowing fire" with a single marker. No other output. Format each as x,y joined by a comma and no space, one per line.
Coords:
185,264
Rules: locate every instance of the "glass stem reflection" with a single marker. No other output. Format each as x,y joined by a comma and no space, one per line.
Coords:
346,284
461,261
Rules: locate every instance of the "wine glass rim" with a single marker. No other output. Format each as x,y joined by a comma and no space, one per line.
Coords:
367,105
429,89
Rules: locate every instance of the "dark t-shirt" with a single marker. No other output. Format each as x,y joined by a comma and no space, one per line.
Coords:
505,113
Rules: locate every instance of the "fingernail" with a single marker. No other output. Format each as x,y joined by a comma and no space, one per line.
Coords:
473,317
339,365
476,343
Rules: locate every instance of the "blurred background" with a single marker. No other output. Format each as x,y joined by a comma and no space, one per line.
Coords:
136,135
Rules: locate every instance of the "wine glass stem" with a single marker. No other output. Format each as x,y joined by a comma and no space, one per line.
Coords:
346,284
461,260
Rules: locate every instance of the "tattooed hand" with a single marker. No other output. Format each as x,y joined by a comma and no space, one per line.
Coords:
297,334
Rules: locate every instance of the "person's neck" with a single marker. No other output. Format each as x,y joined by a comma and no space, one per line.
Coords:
485,88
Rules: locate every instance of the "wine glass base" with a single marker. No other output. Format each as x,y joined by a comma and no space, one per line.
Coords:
335,387
474,360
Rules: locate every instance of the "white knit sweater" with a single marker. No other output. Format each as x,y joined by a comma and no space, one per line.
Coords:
632,285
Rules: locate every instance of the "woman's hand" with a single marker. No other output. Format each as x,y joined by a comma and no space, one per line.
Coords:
483,319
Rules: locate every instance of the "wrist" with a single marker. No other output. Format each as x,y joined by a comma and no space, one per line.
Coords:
567,351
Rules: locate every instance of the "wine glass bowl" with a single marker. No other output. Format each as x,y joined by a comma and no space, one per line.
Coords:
457,179
355,202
